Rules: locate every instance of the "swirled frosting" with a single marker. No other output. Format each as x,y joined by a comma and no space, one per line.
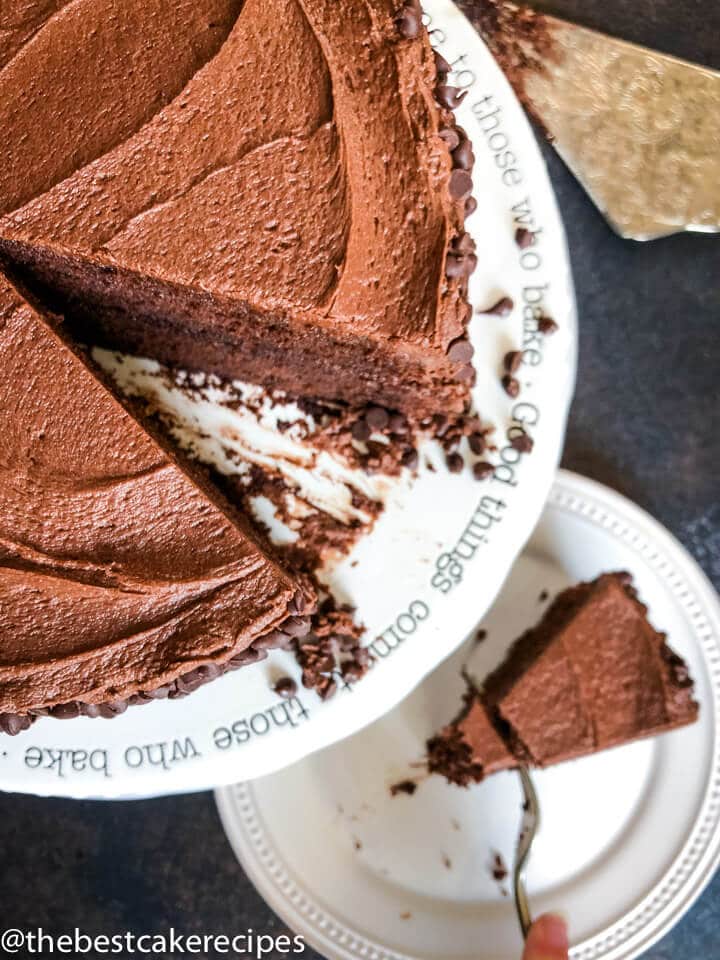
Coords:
264,189
119,573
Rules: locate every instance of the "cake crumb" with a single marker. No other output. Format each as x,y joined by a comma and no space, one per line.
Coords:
405,915
403,786
499,870
501,308
447,862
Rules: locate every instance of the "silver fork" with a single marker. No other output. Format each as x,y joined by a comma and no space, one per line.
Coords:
529,827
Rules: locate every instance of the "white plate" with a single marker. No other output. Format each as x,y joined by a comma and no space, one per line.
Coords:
628,840
412,588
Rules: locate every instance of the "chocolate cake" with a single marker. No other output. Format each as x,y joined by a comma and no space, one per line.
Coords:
123,578
271,190
470,748
593,674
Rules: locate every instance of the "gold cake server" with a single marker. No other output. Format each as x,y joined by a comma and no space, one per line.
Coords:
639,129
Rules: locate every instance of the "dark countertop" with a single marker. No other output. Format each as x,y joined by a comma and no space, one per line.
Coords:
641,422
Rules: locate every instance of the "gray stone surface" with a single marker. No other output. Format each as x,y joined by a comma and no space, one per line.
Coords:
642,422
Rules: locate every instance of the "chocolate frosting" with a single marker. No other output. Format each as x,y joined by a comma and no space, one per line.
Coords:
291,156
593,674
119,573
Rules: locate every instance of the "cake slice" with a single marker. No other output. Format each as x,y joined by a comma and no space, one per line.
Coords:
593,674
271,190
122,577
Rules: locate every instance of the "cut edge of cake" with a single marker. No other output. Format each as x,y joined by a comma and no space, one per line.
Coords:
279,631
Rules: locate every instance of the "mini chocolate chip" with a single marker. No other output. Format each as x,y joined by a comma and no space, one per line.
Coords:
377,418
309,645
296,626
454,462
440,423
522,442
450,97
450,136
209,671
352,671
470,206
482,470
324,664
188,683
14,723
159,693
454,267
408,23
510,385
441,64
109,710
326,688
463,244
285,687
477,443
512,360
546,325
466,373
460,185
309,678
361,431
398,424
524,238
460,351
463,156
410,459
502,308
66,711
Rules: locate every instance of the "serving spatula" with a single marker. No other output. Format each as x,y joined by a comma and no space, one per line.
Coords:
639,129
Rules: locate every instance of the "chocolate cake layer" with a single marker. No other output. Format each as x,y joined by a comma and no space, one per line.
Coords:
593,674
122,576
271,190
